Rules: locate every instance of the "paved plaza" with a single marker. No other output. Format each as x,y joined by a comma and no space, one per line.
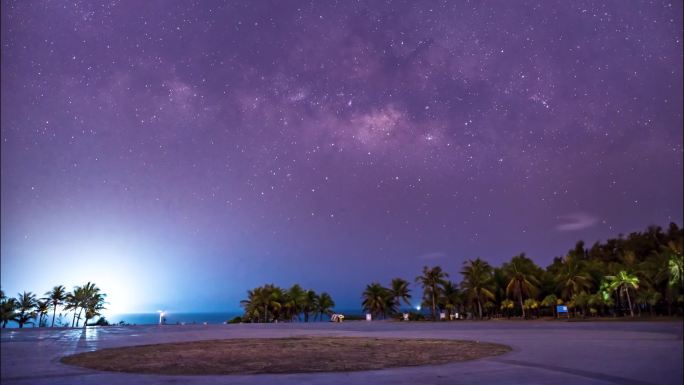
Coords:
544,352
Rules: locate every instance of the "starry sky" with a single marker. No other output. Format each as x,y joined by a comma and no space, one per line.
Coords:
178,153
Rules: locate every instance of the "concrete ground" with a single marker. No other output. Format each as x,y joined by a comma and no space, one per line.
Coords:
544,352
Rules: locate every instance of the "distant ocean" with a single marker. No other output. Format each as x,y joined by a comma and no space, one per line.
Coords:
148,319
172,318
196,318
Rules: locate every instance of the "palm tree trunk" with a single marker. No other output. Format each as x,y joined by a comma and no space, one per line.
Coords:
521,305
78,318
479,307
434,318
629,303
54,312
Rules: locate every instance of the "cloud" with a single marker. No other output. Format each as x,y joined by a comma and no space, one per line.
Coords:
577,221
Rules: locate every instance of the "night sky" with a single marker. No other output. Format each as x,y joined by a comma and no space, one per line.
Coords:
178,153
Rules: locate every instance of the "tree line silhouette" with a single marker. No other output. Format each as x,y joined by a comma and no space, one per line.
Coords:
642,273
270,303
86,301
637,274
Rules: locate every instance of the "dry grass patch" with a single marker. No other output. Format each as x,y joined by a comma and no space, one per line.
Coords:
283,355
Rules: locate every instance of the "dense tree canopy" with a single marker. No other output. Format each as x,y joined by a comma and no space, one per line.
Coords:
642,272
26,308
270,303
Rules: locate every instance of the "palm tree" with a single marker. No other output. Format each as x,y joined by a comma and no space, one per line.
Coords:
77,301
628,258
325,304
251,306
8,307
375,299
95,305
596,269
42,309
264,303
581,301
400,292
269,298
451,297
675,263
477,282
498,283
664,271
56,296
571,278
551,301
622,282
596,303
507,305
72,302
26,305
310,304
92,303
521,285
649,298
296,298
531,304
432,282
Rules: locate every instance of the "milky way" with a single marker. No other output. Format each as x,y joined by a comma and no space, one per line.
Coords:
189,151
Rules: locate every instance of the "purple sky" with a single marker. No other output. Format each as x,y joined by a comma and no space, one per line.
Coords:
179,153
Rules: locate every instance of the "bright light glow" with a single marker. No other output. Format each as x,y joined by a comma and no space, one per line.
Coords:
418,307
114,261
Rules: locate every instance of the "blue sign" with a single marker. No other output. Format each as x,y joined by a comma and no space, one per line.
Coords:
561,309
